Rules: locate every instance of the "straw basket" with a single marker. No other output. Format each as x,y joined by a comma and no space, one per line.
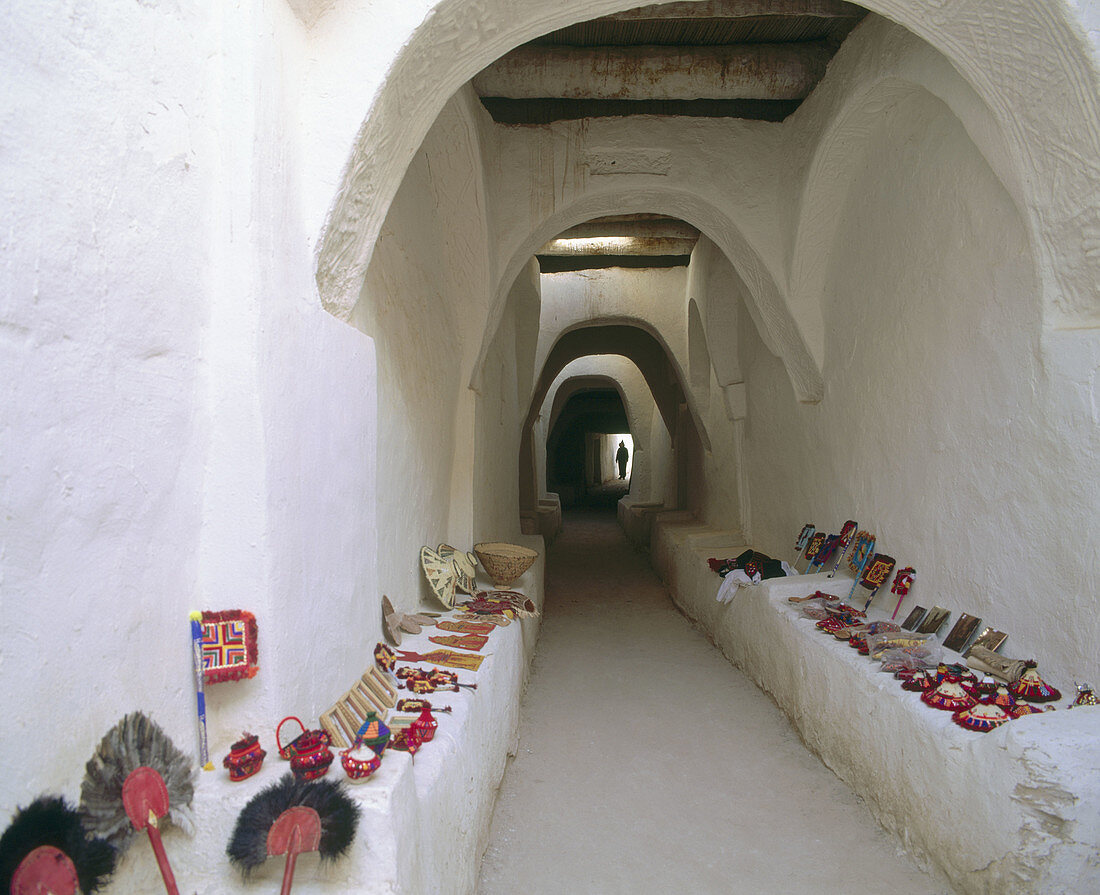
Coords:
505,562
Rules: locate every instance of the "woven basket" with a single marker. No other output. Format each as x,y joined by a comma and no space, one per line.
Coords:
505,562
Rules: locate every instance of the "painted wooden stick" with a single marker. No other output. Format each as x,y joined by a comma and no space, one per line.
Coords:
200,691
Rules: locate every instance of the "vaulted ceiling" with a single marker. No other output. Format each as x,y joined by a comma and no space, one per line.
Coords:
755,59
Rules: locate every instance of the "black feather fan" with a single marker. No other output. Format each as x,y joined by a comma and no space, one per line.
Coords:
339,815
48,820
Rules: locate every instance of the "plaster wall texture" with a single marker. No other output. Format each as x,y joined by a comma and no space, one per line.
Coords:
420,302
941,429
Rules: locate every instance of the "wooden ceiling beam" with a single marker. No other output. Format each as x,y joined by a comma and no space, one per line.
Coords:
737,9
746,71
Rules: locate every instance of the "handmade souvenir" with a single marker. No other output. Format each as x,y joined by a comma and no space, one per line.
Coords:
903,581
312,755
462,641
962,632
229,646
425,725
862,547
418,705
374,733
504,562
803,539
1084,696
874,576
199,675
1032,687
824,554
988,639
46,849
384,657
988,662
135,779
847,533
982,717
920,682
492,604
918,645
245,757
395,622
465,566
373,692
454,627
816,595
813,545
441,574
913,618
405,739
293,817
445,657
423,682
814,611
359,762
949,696
1003,698
934,620
303,739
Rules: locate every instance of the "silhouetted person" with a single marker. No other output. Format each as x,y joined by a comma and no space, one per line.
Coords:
621,456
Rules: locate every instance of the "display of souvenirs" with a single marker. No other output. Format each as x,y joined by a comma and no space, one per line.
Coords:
914,618
934,620
862,548
462,641
447,571
405,739
384,657
359,762
445,657
1026,708
875,575
1084,696
961,633
920,682
424,682
506,603
903,581
803,539
824,553
395,622
814,544
418,705
425,725
989,640
245,757
847,533
504,562
949,695
1032,687
1001,667
466,627
374,734
982,717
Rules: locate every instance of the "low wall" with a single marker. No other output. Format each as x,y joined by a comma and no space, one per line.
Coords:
1014,810
425,821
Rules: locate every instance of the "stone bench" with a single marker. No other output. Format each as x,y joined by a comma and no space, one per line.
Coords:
1013,810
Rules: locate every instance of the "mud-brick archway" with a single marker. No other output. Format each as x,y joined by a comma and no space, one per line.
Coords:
664,379
1050,115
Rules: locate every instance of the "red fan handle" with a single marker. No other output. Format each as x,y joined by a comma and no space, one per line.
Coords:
45,871
296,830
145,798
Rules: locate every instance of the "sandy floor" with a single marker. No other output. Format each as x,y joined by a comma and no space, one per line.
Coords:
648,764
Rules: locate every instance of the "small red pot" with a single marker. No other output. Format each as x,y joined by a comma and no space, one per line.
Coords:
245,757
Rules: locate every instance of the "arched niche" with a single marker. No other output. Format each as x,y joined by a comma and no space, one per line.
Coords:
665,384
1049,114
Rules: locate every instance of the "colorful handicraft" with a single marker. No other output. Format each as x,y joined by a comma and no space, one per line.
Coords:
466,627
385,657
418,705
803,539
229,650
1084,696
862,547
445,657
1032,687
903,580
813,545
983,717
949,696
847,532
505,603
824,553
245,757
462,641
875,574
448,570
423,682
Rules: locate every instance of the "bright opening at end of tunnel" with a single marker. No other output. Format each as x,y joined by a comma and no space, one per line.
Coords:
610,445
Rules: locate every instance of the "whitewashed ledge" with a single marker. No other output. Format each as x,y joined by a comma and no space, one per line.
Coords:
425,821
1016,810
